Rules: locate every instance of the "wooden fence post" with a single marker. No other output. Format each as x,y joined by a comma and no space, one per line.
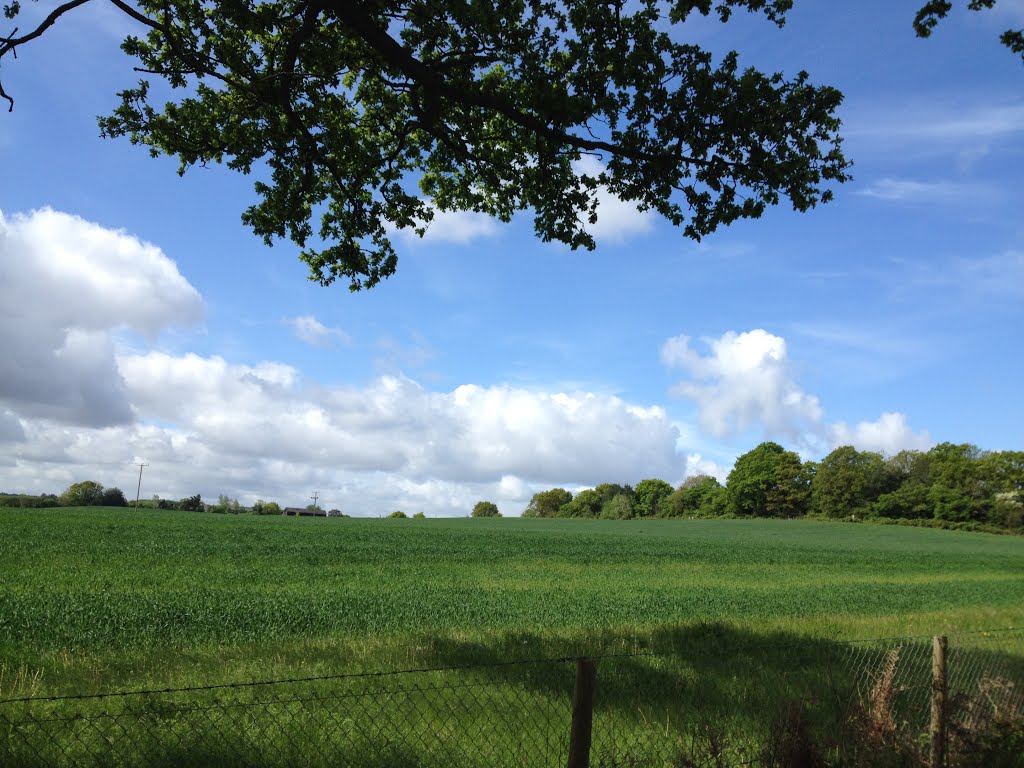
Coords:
582,713
937,758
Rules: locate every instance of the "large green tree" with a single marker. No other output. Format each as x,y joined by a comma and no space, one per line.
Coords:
586,503
547,503
87,493
769,481
648,496
847,481
485,509
698,496
371,114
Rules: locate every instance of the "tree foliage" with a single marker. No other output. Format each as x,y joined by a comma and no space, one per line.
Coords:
87,493
486,509
586,503
192,504
932,12
648,496
372,114
547,503
769,481
698,496
847,481
113,497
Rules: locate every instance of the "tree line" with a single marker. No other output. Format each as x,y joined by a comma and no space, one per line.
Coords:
954,485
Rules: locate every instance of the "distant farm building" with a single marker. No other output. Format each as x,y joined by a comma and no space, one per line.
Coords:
303,512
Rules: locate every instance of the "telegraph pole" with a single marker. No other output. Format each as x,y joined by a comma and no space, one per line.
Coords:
315,496
139,489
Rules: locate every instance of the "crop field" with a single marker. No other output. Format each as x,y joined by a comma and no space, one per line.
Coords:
93,598
694,620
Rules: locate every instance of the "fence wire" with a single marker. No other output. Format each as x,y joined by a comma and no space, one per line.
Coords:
801,703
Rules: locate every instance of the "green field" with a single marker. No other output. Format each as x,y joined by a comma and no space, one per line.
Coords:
94,599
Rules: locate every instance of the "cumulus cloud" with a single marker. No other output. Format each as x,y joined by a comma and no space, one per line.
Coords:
68,284
699,465
744,381
310,330
889,434
393,424
259,430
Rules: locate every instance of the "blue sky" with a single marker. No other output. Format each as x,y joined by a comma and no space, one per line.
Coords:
142,321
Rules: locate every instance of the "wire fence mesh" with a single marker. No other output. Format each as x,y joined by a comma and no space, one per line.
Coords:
754,705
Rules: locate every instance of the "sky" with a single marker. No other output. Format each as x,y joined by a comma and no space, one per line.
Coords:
142,322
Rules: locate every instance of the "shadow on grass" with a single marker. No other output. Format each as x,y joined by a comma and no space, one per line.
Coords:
742,693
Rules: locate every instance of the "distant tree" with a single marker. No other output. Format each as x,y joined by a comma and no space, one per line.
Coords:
85,494
769,481
398,514
262,507
1003,471
619,507
225,505
909,466
486,509
910,501
955,466
421,516
608,491
648,495
847,481
191,504
953,505
586,503
167,504
113,497
698,496
547,503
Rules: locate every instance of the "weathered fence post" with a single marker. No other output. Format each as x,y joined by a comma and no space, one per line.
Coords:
582,713
937,758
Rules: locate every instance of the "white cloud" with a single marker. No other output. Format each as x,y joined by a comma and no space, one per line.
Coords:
209,426
889,434
911,191
68,284
459,227
616,219
745,381
310,330
698,465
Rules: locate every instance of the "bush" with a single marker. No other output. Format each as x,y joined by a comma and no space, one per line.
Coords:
398,514
113,497
486,509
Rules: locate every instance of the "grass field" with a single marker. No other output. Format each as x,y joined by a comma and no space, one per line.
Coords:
94,599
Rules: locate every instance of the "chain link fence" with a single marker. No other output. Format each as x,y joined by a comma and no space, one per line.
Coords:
811,702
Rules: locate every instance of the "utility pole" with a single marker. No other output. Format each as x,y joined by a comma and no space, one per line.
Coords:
315,496
139,489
